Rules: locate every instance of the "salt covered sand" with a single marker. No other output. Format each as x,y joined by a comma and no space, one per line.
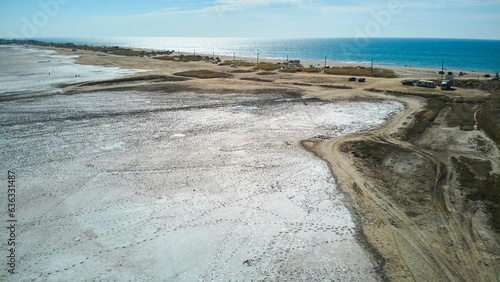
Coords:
182,187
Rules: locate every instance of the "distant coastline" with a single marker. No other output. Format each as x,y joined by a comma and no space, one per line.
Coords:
456,54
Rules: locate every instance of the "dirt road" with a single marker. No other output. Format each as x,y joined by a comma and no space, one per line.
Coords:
446,250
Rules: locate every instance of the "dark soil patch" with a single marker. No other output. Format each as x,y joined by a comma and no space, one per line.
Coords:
204,74
401,175
150,78
462,115
256,79
423,119
489,115
361,71
475,178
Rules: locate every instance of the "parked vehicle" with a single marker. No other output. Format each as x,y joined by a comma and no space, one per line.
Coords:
426,83
446,84
352,78
407,82
487,75
361,79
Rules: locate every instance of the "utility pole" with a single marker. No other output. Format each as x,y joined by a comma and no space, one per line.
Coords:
442,69
257,60
234,57
325,61
372,67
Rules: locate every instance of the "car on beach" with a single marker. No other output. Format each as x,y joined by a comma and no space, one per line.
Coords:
487,75
407,82
352,78
446,84
361,79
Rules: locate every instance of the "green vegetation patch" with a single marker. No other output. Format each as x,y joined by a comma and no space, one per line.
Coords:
423,119
491,86
312,70
238,63
149,78
371,151
361,71
265,66
420,94
266,73
242,71
204,74
462,115
475,178
489,115
183,58
256,79
335,86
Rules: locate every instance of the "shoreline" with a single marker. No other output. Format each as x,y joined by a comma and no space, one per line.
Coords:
403,71
351,181
334,50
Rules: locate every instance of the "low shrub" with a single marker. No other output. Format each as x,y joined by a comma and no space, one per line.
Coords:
361,71
204,74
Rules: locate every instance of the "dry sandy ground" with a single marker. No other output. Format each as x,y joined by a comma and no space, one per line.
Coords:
434,244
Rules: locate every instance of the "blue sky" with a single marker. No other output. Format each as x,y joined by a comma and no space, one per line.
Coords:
251,18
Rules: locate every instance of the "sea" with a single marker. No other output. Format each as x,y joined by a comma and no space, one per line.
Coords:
466,55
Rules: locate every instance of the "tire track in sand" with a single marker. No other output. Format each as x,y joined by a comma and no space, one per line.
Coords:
418,254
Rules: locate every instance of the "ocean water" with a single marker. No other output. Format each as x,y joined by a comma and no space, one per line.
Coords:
457,54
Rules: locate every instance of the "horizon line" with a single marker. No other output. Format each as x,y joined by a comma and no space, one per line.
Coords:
238,37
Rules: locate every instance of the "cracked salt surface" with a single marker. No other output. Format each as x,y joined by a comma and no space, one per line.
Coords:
184,188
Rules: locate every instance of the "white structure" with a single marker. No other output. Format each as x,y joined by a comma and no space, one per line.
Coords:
426,83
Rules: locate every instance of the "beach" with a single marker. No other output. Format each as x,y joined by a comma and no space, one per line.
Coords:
156,176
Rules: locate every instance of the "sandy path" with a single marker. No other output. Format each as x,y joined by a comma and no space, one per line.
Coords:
411,253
